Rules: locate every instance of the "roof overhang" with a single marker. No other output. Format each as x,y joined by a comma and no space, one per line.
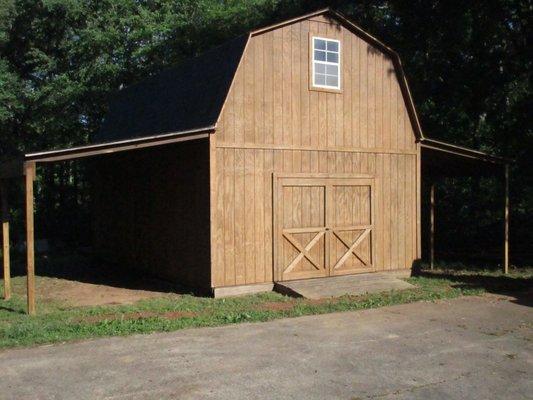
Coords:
445,159
15,166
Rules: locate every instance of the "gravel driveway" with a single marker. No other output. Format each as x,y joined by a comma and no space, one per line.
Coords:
467,348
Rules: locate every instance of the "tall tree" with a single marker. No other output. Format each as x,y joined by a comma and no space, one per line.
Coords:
468,63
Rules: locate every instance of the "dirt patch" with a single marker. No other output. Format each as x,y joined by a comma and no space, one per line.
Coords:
289,305
318,302
88,294
93,319
276,306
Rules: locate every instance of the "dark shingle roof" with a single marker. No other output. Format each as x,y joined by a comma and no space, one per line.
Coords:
185,97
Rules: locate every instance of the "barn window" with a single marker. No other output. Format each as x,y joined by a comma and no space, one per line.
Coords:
326,63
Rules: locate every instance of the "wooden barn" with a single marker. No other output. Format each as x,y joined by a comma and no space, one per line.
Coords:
292,152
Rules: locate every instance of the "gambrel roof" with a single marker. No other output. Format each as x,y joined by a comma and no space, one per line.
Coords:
188,96
186,101
191,95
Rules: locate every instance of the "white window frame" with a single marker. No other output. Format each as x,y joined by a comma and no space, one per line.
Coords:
313,62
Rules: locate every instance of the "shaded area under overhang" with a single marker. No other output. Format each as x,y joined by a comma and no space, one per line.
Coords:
440,159
23,167
443,160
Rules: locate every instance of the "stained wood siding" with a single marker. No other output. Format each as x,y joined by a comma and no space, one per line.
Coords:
151,211
243,246
273,123
271,104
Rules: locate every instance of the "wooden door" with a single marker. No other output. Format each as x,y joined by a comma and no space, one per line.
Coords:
301,228
323,226
349,220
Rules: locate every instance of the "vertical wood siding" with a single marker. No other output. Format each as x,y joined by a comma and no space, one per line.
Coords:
273,123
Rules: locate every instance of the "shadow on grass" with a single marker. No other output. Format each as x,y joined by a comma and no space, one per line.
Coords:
521,288
12,310
88,269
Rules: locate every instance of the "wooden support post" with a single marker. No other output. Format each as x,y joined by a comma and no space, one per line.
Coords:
418,201
432,226
29,176
5,240
506,223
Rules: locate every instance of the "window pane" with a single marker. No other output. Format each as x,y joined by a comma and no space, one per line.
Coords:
320,68
320,44
333,57
332,81
320,55
332,70
320,79
333,46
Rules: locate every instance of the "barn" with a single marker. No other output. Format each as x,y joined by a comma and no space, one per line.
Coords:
292,152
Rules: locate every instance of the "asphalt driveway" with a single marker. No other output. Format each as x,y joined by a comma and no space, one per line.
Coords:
468,348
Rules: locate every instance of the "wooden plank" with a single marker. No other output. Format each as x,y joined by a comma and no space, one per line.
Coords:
239,213
259,217
387,105
249,217
238,105
347,92
305,96
217,213
375,150
432,225
295,98
117,147
413,201
395,218
269,215
268,75
242,290
286,114
278,84
379,78
5,240
229,216
249,93
506,222
418,201
356,93
30,249
259,90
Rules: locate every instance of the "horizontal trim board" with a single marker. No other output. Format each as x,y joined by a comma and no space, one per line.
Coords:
321,175
242,290
90,151
289,21
312,148
436,145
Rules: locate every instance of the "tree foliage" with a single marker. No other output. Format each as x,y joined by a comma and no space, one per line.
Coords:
468,63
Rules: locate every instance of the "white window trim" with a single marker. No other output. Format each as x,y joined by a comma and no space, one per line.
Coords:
313,62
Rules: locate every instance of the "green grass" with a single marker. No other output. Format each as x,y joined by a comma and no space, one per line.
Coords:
58,322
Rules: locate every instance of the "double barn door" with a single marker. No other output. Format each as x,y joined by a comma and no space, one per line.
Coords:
324,226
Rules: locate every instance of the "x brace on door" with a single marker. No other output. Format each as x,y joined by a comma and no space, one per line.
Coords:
304,251
351,248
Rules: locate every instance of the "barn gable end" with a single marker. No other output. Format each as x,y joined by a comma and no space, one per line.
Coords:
275,71
274,126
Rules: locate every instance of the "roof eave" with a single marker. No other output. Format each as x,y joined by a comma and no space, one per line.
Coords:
14,167
463,151
289,21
